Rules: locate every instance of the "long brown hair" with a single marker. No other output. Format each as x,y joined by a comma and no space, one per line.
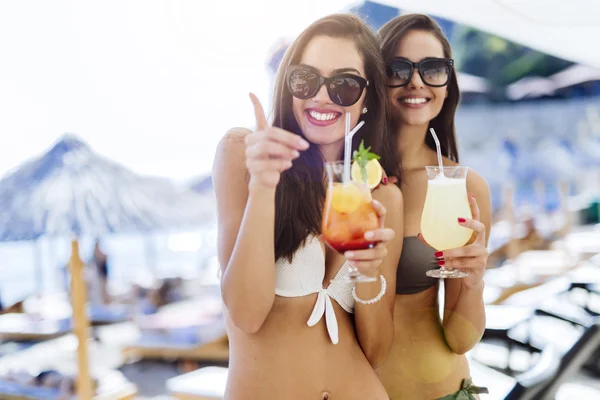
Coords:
301,191
393,32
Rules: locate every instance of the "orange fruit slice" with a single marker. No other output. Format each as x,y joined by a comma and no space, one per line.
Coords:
345,198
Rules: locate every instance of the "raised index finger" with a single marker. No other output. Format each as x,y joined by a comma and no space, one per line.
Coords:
259,113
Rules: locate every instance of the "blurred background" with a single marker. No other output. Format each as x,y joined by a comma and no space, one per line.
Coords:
110,115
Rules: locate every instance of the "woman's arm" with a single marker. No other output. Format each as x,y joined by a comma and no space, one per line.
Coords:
246,171
245,236
464,311
374,322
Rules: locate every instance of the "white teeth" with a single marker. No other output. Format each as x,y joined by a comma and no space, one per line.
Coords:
413,100
322,117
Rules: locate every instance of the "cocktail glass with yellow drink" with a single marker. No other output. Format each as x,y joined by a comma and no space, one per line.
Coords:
446,201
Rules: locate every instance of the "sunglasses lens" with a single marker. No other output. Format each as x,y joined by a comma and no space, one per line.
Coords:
303,83
398,73
344,91
435,72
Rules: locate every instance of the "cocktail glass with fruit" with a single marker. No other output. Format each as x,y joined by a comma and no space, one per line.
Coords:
348,212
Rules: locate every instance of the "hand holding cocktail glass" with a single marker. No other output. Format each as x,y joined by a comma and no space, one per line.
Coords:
449,218
353,223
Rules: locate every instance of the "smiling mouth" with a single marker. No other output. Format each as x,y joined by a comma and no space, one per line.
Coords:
321,118
414,100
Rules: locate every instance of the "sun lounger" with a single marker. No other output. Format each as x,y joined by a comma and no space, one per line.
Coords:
202,384
110,386
497,383
20,327
192,330
195,343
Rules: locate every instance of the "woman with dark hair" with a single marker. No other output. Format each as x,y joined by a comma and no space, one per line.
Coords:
427,360
270,186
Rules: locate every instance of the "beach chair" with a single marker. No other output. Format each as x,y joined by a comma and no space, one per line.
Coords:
110,384
25,327
191,331
206,383
498,384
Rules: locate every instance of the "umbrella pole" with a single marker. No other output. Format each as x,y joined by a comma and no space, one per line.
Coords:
81,324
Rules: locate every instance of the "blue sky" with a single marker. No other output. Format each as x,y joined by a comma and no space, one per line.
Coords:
151,84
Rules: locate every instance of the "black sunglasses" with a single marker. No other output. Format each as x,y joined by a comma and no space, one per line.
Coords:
344,89
434,72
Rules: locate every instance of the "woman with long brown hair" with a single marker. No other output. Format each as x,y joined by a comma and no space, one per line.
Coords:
427,359
292,334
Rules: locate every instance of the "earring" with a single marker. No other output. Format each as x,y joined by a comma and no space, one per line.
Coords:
364,111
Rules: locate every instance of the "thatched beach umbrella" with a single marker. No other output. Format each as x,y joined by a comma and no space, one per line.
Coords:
73,192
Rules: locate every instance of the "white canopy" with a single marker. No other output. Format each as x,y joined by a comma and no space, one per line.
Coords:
535,86
565,29
472,84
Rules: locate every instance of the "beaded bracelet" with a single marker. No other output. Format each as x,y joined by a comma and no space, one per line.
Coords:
374,299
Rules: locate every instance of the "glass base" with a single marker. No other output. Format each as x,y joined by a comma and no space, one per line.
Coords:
355,277
443,273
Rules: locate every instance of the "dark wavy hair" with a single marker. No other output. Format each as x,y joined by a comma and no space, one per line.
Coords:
301,191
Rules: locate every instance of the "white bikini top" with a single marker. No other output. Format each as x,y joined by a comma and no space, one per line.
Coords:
304,276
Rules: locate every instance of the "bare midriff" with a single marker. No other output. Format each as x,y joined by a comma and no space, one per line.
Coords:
421,365
287,359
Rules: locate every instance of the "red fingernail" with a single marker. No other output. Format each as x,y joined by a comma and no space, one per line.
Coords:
385,180
462,220
439,254
472,195
441,262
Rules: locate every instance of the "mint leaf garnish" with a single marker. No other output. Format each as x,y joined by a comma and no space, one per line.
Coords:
362,156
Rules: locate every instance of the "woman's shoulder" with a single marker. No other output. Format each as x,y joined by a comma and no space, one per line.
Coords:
389,195
233,144
233,139
477,184
229,165
475,181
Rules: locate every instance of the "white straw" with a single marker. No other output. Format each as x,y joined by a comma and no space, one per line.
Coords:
348,145
439,150
356,128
